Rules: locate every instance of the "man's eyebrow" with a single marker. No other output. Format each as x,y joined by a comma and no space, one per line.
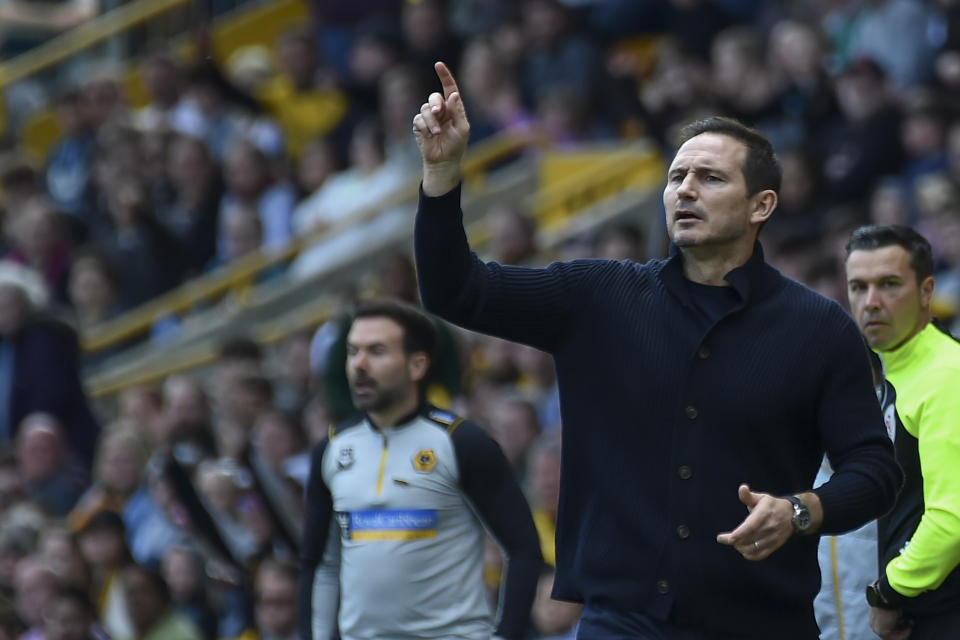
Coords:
880,278
698,169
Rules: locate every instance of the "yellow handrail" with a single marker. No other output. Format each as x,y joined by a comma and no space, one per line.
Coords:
86,35
113,382
245,270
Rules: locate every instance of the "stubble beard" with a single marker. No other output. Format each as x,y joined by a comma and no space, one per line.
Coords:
377,401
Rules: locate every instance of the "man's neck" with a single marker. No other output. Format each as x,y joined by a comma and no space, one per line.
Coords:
392,416
920,327
706,265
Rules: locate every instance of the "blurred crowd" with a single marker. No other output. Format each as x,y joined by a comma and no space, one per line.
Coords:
176,510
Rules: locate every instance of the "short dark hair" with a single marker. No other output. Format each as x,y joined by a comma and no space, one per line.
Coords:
419,330
877,236
761,169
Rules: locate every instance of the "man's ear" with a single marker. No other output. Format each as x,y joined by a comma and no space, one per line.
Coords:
418,364
762,205
926,292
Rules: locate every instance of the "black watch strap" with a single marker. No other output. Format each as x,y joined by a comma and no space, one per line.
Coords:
875,597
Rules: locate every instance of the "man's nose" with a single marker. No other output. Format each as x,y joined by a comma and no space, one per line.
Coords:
357,361
872,299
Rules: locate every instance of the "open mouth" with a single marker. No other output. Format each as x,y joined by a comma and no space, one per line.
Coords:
686,215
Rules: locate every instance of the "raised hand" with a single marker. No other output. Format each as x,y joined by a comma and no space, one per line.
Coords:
442,131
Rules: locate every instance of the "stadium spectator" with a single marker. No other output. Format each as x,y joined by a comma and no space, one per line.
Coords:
250,182
318,162
512,236
41,242
543,489
513,423
150,608
864,144
104,548
58,547
119,485
621,242
556,58
499,105
241,233
294,376
69,165
144,255
304,97
190,211
36,586
162,79
52,476
275,601
39,365
70,616
399,89
183,569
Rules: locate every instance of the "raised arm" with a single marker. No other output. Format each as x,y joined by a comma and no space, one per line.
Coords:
442,131
533,306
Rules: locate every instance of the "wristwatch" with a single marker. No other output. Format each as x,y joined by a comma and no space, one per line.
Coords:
875,597
801,515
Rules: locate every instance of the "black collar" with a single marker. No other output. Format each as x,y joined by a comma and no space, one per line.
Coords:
421,409
751,280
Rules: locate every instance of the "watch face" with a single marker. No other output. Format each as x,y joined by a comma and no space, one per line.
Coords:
801,515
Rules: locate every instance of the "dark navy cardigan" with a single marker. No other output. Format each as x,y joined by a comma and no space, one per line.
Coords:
662,421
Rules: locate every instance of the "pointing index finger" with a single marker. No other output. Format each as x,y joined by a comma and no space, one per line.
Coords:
446,79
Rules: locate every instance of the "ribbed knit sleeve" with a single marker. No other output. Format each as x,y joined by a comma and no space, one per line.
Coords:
866,478
532,306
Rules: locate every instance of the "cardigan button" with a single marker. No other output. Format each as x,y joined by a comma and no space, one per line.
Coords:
683,531
704,352
691,412
663,586
685,472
